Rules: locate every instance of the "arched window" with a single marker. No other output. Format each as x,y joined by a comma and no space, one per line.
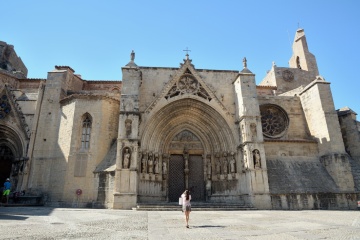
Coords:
86,131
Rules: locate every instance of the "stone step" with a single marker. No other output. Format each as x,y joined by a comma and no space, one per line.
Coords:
194,207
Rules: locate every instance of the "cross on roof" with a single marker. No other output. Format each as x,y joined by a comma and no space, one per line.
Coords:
187,51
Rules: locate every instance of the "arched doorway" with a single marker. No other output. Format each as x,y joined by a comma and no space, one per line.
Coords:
186,167
208,133
12,160
6,160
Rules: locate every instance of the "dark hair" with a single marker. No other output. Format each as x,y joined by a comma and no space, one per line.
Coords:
187,193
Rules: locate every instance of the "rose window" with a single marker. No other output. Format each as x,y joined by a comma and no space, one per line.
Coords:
274,120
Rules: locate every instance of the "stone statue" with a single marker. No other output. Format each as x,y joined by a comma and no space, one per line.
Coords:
128,124
232,163
126,158
143,163
164,168
208,166
253,131
218,168
150,163
245,62
225,163
257,158
132,55
156,164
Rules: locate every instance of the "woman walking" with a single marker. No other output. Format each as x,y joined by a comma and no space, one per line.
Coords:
186,206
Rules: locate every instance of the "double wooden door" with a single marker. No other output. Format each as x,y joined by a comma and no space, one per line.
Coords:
178,178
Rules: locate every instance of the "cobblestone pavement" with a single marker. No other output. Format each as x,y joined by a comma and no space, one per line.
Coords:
71,223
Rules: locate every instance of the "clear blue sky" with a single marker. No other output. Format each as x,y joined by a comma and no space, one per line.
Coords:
95,38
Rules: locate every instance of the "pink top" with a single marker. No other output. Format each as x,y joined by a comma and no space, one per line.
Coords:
185,202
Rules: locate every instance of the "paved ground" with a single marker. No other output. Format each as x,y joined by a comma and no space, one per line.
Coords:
66,223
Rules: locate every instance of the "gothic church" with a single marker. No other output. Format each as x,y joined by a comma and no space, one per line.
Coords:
116,144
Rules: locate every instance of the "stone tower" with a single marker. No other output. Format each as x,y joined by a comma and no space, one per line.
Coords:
125,195
249,120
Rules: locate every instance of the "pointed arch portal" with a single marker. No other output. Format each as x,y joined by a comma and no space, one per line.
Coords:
187,130
188,114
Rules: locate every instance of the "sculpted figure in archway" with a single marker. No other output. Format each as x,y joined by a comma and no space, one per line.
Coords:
156,164
150,163
208,166
217,164
186,158
143,163
128,126
126,158
257,158
253,131
232,163
225,163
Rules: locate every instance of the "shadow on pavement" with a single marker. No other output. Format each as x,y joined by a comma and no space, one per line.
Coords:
22,213
11,217
208,226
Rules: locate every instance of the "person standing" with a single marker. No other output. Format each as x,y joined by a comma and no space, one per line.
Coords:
7,187
186,206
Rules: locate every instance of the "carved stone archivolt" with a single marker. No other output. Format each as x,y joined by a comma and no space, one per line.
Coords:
187,84
274,120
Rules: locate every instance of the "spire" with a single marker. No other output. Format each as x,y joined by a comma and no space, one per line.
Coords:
132,58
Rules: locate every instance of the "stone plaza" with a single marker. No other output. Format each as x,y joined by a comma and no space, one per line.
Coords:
72,223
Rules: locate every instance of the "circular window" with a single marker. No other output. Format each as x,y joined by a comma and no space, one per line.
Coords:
287,75
274,120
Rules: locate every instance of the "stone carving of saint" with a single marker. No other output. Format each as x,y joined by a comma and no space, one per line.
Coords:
128,124
208,166
143,163
126,161
132,55
150,163
232,163
225,163
253,131
257,158
156,164
164,168
217,166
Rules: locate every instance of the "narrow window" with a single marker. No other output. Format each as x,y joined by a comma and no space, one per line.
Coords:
86,130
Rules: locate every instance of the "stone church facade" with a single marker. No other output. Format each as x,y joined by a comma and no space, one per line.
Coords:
115,144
